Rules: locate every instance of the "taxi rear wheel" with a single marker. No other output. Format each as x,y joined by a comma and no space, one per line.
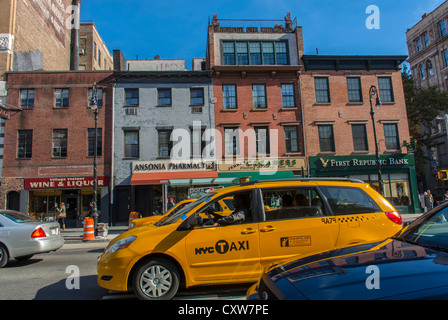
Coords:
157,279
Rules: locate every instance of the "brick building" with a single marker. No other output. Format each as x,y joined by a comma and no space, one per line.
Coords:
427,43
257,97
49,144
93,52
339,136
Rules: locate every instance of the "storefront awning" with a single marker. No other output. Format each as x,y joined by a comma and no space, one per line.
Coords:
147,178
203,182
257,175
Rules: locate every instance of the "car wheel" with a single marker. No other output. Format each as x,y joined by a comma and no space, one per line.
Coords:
157,279
4,257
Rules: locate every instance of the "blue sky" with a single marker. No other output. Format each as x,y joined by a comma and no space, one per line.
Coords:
178,28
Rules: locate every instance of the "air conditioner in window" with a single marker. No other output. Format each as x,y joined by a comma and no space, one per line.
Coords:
130,111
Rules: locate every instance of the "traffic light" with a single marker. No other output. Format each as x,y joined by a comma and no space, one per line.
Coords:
442,175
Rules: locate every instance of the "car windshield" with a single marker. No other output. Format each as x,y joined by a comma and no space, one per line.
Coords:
179,213
17,217
431,232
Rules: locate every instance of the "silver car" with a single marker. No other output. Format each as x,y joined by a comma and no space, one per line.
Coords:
22,236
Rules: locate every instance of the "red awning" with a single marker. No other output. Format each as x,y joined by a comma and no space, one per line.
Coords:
145,178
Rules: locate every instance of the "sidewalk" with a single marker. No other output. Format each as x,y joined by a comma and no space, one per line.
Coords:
74,236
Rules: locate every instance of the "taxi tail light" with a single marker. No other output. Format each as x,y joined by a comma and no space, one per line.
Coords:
38,233
395,217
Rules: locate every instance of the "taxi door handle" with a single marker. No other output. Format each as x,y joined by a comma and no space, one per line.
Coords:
248,231
267,229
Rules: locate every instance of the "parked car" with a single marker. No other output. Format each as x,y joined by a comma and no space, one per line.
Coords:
281,219
412,265
22,236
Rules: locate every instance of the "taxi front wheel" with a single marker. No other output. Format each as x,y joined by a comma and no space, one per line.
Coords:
156,279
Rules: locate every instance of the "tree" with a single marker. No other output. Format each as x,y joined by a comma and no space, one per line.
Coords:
423,106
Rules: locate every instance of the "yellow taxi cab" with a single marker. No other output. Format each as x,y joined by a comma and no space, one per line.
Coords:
272,221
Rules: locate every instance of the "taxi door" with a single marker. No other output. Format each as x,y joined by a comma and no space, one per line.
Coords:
223,253
300,227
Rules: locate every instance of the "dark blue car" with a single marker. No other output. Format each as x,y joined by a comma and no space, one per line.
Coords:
413,265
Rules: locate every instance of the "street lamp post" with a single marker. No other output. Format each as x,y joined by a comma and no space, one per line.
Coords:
374,92
94,106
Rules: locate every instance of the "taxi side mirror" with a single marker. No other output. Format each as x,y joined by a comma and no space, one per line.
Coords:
196,221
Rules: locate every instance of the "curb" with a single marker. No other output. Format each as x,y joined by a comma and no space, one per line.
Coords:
74,236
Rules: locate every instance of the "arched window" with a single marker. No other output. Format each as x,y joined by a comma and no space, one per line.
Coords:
429,68
422,72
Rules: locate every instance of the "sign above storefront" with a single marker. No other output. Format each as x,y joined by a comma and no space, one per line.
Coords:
172,166
265,164
361,162
64,183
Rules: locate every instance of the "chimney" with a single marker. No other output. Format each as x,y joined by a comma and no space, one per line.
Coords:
119,61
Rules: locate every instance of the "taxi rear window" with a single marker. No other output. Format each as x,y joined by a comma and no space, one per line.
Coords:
347,200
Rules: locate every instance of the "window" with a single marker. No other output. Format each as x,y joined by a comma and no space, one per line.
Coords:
228,51
229,96
359,134
391,136
346,200
259,96
292,203
242,53
255,52
426,39
131,97
445,58
91,142
429,68
385,88
100,96
418,44
262,146
288,100
354,89
326,138
27,98
61,98
59,143
164,97
291,139
322,89
197,96
231,141
268,53
442,26
165,143
422,72
24,144
131,144
197,143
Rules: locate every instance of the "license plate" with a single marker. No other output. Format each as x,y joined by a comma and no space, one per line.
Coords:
54,231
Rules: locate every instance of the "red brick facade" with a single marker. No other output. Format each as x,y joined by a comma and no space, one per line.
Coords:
43,118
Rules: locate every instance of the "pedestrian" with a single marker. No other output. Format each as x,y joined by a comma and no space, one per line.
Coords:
62,214
171,204
431,199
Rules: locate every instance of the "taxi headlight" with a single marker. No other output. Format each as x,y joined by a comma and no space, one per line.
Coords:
123,243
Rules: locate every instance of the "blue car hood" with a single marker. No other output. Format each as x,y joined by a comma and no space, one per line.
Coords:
392,270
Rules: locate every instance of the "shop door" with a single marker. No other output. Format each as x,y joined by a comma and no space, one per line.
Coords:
71,204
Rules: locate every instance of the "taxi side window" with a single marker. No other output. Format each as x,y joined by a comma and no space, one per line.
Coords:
291,203
347,200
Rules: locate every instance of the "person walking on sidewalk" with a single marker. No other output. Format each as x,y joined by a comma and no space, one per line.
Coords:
62,214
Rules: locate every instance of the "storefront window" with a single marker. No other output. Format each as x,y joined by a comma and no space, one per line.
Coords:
396,187
42,204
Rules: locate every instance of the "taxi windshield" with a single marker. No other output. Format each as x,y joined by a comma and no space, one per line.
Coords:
431,232
175,215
